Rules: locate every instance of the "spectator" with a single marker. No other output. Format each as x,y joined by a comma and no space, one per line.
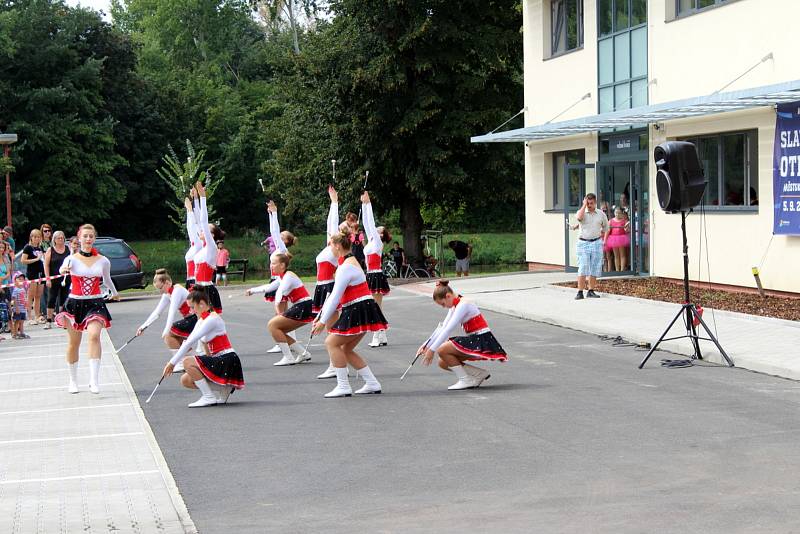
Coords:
58,292
223,259
593,224
399,258
5,265
463,252
47,236
74,244
618,240
19,307
8,237
33,258
357,239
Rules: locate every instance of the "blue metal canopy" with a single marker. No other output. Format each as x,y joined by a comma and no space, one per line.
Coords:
768,95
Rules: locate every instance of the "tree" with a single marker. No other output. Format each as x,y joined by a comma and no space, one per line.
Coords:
398,88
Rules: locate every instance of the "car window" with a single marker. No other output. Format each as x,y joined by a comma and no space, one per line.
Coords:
113,250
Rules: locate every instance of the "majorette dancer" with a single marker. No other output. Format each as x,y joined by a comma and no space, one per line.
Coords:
85,309
216,375
327,263
174,299
298,314
478,344
373,250
205,260
194,242
282,241
359,314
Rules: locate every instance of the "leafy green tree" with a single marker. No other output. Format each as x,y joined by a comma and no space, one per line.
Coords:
398,88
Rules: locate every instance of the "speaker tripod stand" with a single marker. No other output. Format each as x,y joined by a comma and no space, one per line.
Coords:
689,313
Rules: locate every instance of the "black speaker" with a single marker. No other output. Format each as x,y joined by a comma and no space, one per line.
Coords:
680,183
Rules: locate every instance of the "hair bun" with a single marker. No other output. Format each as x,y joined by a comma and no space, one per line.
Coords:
161,271
444,282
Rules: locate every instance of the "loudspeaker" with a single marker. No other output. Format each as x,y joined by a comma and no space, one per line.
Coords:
680,183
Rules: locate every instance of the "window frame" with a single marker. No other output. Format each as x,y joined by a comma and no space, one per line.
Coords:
679,13
562,31
558,189
750,169
611,37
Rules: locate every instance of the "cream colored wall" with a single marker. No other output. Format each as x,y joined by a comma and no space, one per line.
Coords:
736,241
544,232
554,84
699,54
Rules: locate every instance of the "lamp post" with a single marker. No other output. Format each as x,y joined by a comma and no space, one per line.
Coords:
7,140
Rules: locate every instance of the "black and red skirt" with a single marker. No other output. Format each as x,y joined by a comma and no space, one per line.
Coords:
78,313
359,318
378,283
213,296
224,369
183,327
321,292
189,284
480,347
302,311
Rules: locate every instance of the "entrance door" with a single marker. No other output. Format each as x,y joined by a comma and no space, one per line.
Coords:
619,185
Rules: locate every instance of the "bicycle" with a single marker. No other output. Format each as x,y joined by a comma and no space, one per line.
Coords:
391,270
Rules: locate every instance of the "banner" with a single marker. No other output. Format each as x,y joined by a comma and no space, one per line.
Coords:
786,170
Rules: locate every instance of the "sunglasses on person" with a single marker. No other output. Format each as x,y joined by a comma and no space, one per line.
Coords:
47,231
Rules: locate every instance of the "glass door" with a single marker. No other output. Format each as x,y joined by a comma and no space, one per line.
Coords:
579,180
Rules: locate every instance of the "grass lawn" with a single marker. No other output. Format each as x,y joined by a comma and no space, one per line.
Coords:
488,249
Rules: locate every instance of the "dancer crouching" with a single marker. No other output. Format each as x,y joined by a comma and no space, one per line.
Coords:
296,316
216,375
373,250
359,314
174,299
478,344
85,310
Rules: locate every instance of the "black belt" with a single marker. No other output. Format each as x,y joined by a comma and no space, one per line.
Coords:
589,240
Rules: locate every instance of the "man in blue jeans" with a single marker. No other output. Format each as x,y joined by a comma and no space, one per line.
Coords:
593,224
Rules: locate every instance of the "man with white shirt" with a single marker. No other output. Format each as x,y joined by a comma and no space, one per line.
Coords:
593,226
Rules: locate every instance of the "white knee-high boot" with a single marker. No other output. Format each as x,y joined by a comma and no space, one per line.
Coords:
371,384
208,398
94,375
288,357
342,388
73,377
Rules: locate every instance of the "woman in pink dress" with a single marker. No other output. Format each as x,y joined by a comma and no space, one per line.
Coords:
618,239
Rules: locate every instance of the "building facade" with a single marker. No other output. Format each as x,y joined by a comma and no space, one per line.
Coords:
587,60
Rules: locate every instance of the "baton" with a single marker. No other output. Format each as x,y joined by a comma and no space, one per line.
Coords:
311,333
264,189
366,179
154,390
131,339
420,353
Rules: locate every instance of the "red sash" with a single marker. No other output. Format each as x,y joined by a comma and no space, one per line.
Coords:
203,273
84,286
298,294
325,271
373,262
218,344
355,292
190,269
475,324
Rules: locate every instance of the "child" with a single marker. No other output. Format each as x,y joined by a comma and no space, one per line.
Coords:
618,239
19,300
223,259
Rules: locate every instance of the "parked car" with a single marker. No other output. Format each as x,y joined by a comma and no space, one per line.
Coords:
126,268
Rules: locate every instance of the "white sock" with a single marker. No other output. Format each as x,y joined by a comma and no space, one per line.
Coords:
460,372
368,377
296,348
341,377
292,335
204,386
73,372
94,371
285,350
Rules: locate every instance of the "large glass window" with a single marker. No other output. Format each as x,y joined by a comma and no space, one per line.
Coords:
566,23
686,7
622,54
574,177
730,166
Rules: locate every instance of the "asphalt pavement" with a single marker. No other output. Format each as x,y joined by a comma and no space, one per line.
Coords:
567,436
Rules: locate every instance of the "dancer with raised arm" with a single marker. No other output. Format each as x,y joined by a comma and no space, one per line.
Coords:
219,373
376,279
174,299
478,344
359,314
282,241
205,260
194,241
298,314
85,310
326,267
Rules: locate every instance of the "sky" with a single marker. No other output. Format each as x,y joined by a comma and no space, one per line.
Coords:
97,5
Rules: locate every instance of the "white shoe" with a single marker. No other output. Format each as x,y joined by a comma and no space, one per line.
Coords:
48,325
330,372
179,367
204,400
274,349
477,373
367,389
73,387
286,360
94,388
382,339
339,391
468,382
376,340
300,354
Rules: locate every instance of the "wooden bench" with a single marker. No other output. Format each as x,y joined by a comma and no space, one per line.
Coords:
242,263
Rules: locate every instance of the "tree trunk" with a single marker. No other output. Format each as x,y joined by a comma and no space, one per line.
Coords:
411,223
293,23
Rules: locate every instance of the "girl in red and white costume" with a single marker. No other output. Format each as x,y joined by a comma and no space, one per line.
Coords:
373,251
216,375
174,298
205,259
85,309
194,242
359,314
282,241
299,313
478,344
